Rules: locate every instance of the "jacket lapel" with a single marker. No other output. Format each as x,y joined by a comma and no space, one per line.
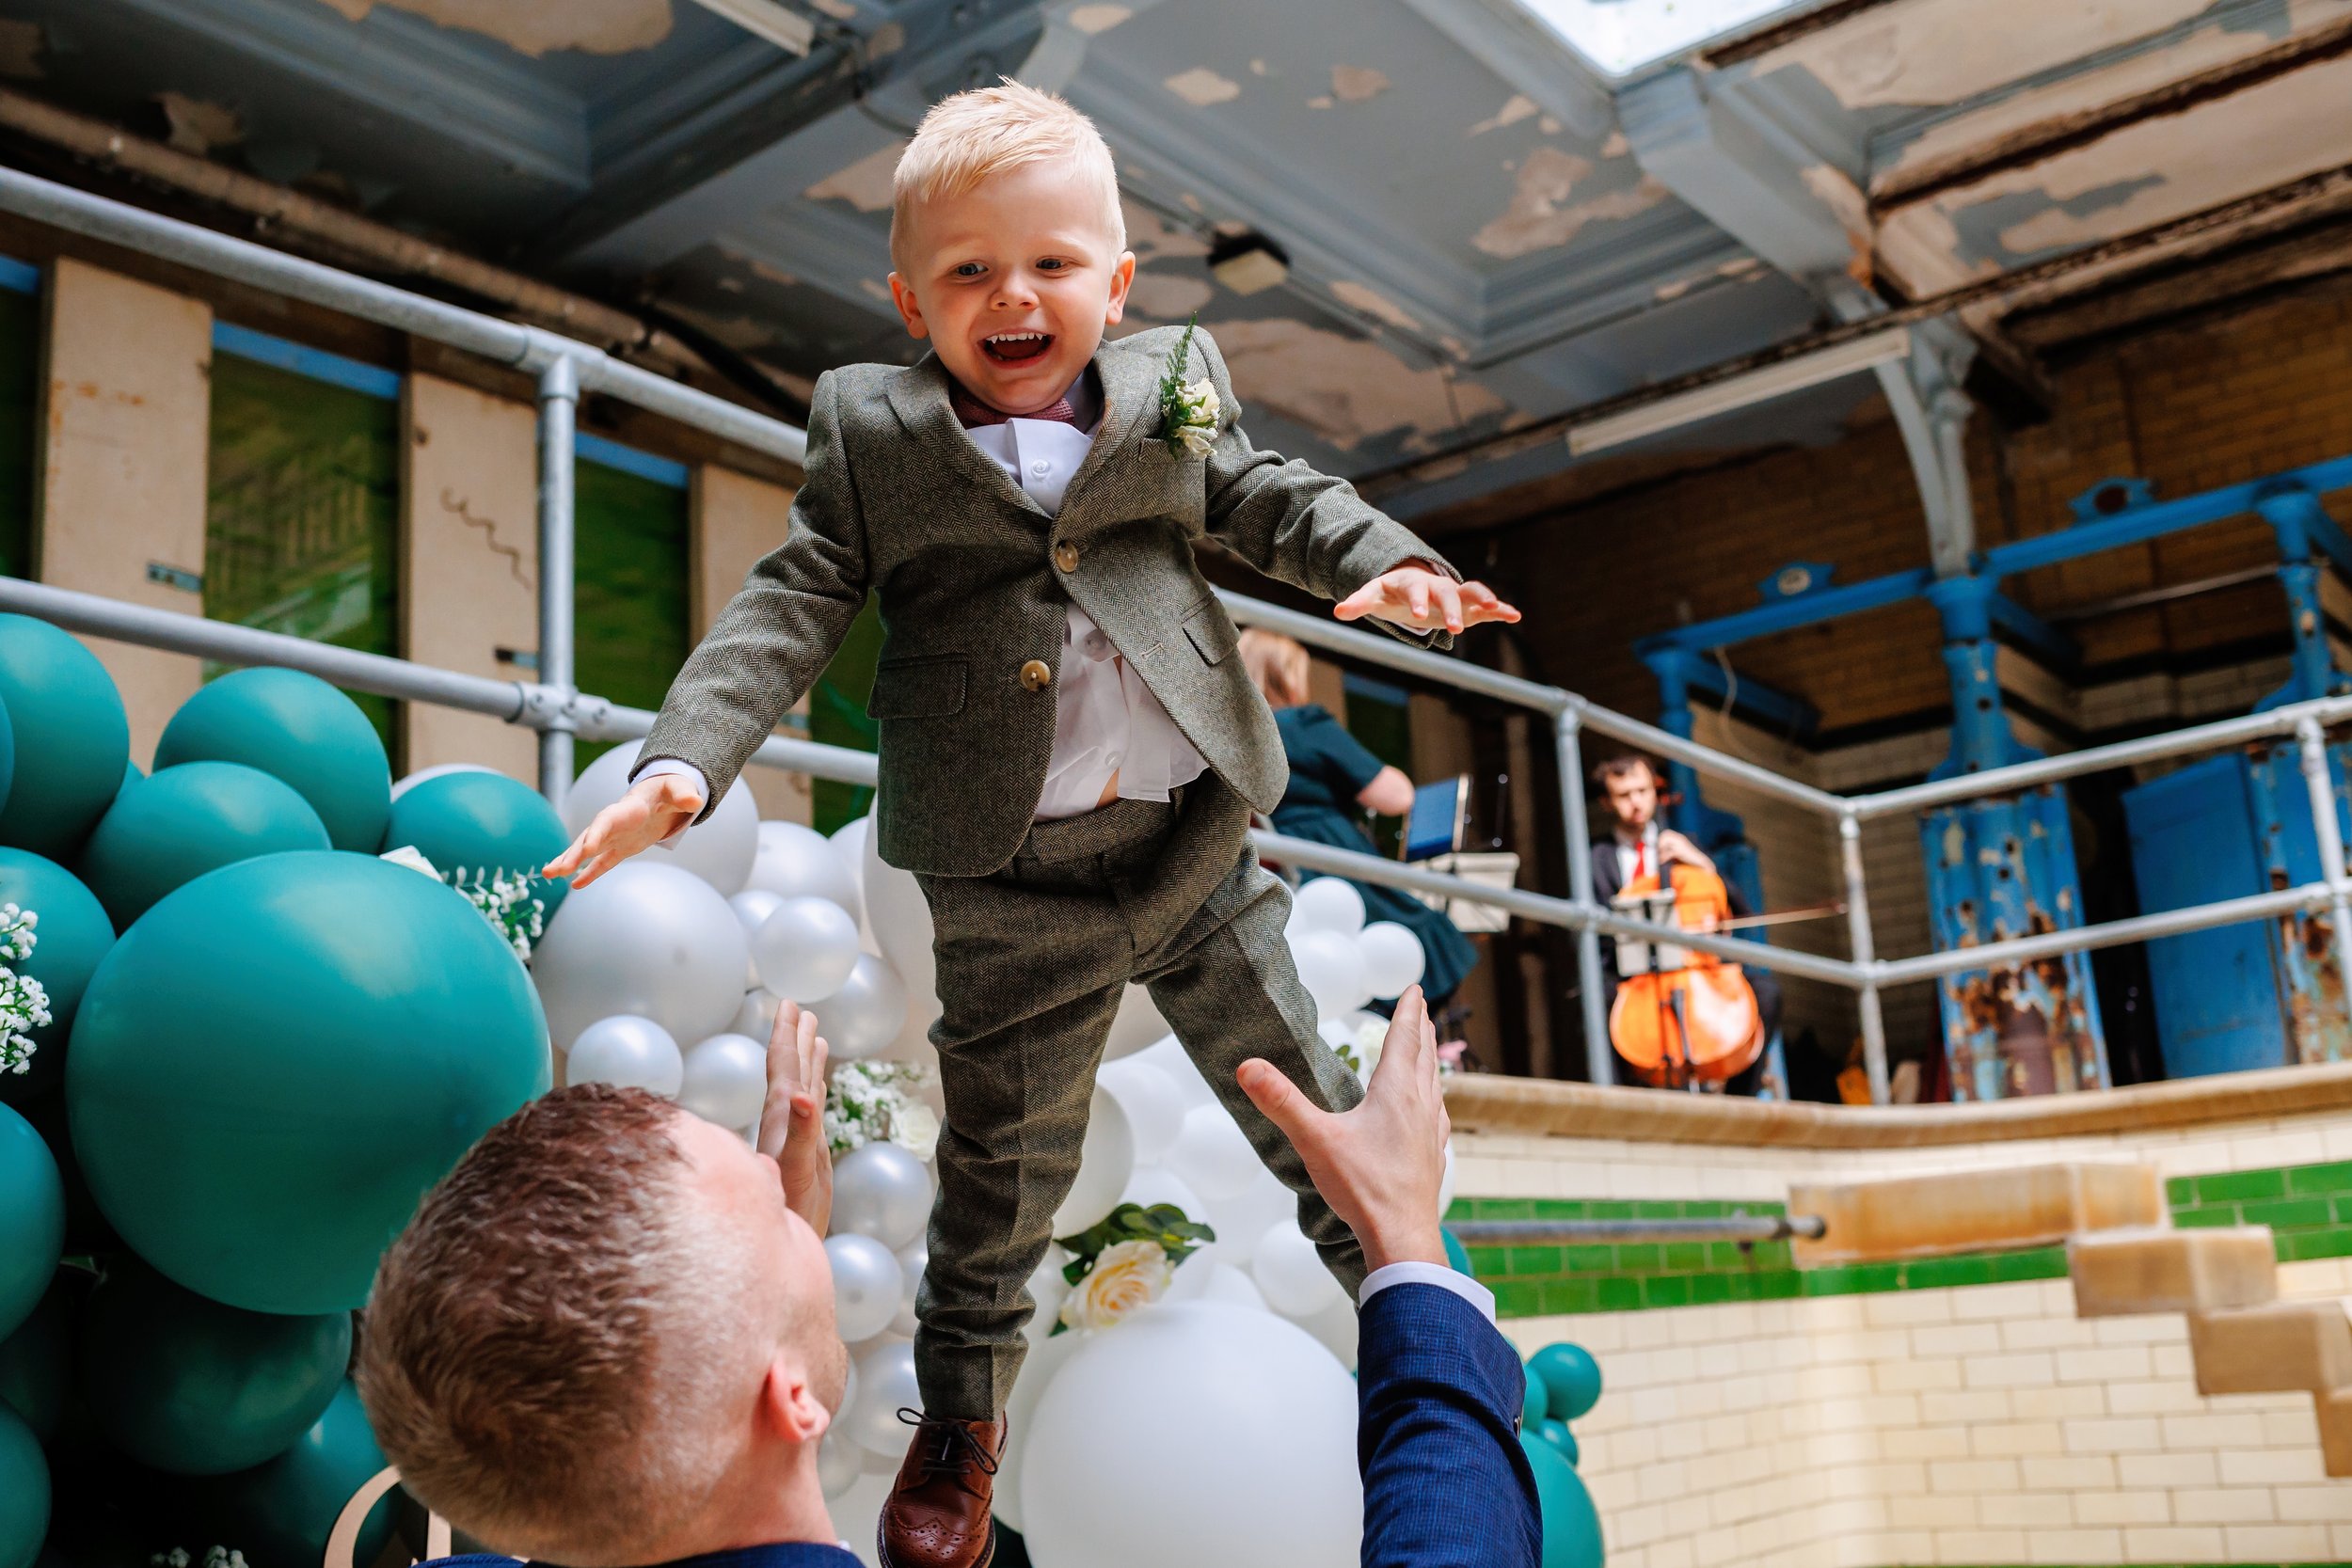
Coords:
1130,388
919,396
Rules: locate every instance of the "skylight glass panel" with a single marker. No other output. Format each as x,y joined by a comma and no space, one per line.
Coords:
1622,36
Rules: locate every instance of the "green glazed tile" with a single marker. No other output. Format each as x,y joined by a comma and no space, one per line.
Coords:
1710,1288
1610,1210
1530,1261
1651,1208
1517,1299
1562,1296
1462,1208
1744,1286
1685,1257
2342,1207
1589,1260
1933,1273
2046,1262
1507,1209
1666,1289
2293,1214
2205,1219
1725,1254
2179,1190
1560,1208
1618,1295
2231,1185
1489,1262
1641,1258
1780,1285
1706,1209
1837,1280
2334,1176
2305,1245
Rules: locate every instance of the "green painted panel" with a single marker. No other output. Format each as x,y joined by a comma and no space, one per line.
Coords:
632,541
836,715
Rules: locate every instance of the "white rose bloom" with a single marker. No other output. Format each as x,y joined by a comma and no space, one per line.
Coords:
1200,396
914,1127
1197,441
1125,1277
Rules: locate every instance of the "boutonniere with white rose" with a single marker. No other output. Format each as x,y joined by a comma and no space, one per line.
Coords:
1187,408
1125,1263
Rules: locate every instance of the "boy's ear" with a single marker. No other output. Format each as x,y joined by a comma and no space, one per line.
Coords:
1123,278
909,309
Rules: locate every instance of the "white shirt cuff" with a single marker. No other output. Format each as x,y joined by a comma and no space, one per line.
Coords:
674,767
1439,1274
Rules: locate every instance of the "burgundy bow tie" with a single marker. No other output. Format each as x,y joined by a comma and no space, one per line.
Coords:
972,411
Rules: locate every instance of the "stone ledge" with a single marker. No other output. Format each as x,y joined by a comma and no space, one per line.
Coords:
1929,1216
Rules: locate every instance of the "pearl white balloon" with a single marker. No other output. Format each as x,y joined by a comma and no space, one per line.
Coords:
1290,1273
634,1053
865,1012
646,939
1037,1371
1136,1024
1394,957
752,906
794,860
901,918
719,849
1104,1162
1335,1325
1048,1289
1152,1185
1246,1408
1167,1054
1229,1284
1154,1106
914,1259
402,787
865,1284
806,949
883,1192
755,1015
1330,904
1240,1222
839,1463
1330,969
726,1080
1212,1156
886,1383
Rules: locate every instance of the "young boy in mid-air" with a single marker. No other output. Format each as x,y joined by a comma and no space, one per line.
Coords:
1069,750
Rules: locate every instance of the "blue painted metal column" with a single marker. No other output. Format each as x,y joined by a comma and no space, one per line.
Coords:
1998,869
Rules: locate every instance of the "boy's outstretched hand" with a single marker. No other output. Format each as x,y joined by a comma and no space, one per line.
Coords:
651,811
792,1122
1380,1165
1416,596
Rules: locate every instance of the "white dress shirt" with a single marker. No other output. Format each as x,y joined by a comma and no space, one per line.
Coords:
1438,1275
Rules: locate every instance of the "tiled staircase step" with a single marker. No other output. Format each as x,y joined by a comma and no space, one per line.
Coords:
2334,1406
1977,1211
2281,1347
2126,1272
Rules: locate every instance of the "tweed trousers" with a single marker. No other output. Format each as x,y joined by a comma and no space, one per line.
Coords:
1032,960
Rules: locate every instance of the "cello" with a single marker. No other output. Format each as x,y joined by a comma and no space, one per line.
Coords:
1696,1021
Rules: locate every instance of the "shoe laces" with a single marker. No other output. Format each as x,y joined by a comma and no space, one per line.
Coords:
956,1445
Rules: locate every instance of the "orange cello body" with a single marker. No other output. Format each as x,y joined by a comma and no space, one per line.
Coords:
1699,1022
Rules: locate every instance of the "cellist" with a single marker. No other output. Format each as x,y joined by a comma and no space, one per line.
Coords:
1643,844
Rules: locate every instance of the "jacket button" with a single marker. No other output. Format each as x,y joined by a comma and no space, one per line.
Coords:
1037,674
1066,556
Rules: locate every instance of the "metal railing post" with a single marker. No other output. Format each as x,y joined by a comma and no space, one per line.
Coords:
1864,954
2313,745
1599,1060
559,405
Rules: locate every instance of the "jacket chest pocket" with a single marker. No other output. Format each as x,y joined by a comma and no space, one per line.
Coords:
1212,632
917,688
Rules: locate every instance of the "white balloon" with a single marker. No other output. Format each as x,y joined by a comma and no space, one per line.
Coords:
1257,1421
1167,1054
756,1015
1330,969
886,1383
726,1080
1150,1185
646,939
1229,1284
1048,1289
1154,1106
883,1192
839,1463
634,1053
914,1259
1136,1024
1038,1371
1394,957
794,860
865,1284
1335,1324
804,949
752,906
1330,904
1212,1156
1104,1162
865,1012
1240,1222
902,921
719,849
402,786
1291,1274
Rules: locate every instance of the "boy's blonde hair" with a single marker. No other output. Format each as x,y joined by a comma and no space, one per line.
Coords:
974,136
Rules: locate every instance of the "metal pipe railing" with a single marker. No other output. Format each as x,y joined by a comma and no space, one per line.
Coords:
1746,1228
2012,951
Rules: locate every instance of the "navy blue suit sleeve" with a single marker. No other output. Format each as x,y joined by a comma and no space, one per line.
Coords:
1439,1390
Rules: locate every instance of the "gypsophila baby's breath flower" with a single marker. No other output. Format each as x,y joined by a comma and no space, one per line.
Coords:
24,1002
507,902
878,1103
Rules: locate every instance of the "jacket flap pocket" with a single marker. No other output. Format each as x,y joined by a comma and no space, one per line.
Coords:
1212,631
917,688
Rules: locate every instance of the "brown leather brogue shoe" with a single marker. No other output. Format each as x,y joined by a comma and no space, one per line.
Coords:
937,1516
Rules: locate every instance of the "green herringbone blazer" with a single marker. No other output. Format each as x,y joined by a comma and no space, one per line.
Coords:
973,579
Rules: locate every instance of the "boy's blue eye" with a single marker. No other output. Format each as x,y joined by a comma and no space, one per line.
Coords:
969,269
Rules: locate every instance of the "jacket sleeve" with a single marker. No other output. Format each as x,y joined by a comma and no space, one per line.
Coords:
1304,527
1438,1391
778,633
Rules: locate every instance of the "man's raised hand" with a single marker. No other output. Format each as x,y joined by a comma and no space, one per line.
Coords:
792,1122
1381,1164
1424,599
651,811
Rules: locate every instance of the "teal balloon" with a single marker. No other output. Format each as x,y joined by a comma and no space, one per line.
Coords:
24,1493
184,1384
37,1361
166,830
1571,1525
1563,1441
1571,1379
478,820
32,1219
277,1061
1531,1404
284,1512
73,935
7,756
67,722
87,1230
1456,1254
297,728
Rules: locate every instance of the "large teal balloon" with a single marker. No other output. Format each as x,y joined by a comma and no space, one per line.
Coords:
37,1361
74,934
1571,1380
181,1383
24,1493
476,820
284,1512
69,726
300,729
7,756
1532,1403
277,1061
32,1219
1571,1524
166,830
1562,1440
87,1230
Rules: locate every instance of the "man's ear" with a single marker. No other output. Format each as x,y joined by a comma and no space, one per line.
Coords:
910,310
1123,278
788,1406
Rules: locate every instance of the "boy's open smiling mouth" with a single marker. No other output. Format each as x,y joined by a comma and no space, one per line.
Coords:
1016,348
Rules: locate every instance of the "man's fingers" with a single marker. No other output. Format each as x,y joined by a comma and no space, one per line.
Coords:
1450,601
566,863
1416,598
1278,1098
1356,604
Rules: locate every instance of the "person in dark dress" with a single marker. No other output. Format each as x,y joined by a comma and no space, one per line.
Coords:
1334,781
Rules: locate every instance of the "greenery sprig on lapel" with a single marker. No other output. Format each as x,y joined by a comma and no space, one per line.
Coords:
1187,409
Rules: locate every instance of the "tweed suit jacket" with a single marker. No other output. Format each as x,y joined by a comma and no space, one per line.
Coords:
973,579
